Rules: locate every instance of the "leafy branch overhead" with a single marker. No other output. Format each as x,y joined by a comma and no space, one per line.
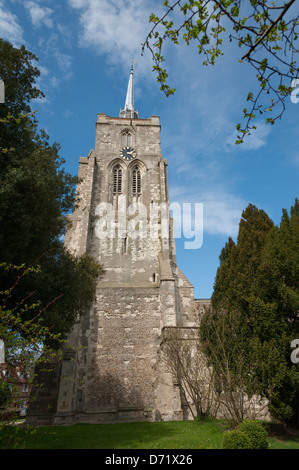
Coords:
265,31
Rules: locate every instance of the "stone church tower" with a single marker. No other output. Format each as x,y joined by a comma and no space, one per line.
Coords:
117,372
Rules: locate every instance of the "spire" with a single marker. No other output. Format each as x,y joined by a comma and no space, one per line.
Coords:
130,93
128,111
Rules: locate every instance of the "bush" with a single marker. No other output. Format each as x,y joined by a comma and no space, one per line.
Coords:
256,433
236,440
5,393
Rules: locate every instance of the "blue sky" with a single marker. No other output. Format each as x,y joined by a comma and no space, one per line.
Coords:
85,48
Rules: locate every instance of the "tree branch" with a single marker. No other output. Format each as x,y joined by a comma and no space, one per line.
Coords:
270,27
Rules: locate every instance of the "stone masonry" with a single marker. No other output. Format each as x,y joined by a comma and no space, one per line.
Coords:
114,370
117,373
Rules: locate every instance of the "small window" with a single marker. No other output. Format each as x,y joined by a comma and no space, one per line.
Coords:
136,180
117,179
125,245
126,139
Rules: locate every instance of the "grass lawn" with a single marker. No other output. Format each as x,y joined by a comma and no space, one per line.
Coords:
204,434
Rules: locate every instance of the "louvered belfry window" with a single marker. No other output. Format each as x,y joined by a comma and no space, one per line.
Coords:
126,139
136,180
117,179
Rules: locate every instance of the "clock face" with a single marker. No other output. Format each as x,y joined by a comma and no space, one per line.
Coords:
128,153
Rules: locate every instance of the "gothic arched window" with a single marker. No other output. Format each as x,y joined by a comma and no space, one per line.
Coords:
126,139
136,187
117,179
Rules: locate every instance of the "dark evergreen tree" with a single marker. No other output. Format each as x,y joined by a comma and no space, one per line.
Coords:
35,197
257,283
236,275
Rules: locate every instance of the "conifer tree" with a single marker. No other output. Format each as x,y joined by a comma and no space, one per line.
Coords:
35,197
239,262
258,282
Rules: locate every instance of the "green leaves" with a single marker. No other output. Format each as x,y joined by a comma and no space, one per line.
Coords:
263,64
267,38
19,75
36,194
21,325
161,78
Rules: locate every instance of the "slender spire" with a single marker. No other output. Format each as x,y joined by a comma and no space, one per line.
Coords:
128,111
130,93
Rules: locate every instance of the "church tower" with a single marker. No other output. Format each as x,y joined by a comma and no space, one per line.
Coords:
116,371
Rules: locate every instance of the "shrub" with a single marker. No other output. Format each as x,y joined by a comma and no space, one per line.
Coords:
236,440
256,433
12,437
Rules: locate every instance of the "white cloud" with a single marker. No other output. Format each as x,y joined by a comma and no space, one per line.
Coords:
116,28
64,62
200,117
46,82
221,209
40,16
55,82
68,114
9,26
222,213
66,34
253,141
53,49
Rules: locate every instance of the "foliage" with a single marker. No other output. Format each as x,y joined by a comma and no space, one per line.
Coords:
35,197
250,434
236,439
230,359
25,341
14,437
256,295
266,33
184,357
19,75
64,300
62,276
5,393
36,192
256,433
239,263
34,333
